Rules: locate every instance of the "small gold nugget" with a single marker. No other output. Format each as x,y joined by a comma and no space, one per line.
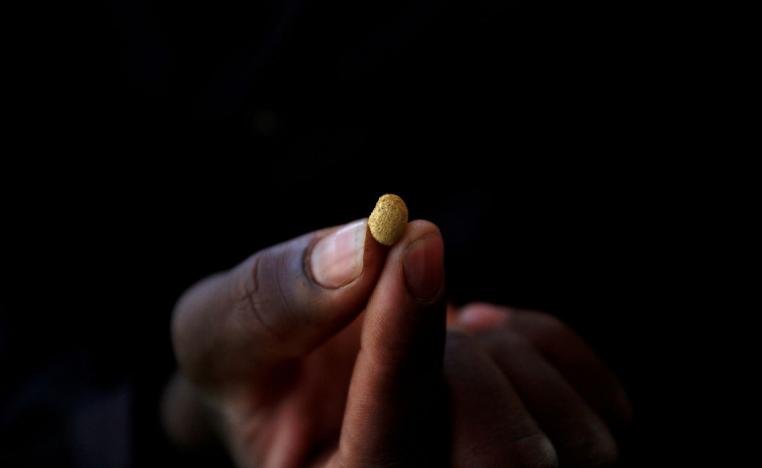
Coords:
388,220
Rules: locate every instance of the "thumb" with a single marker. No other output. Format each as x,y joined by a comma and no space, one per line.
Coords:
392,404
277,305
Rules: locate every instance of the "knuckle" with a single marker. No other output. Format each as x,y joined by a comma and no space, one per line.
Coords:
271,295
252,297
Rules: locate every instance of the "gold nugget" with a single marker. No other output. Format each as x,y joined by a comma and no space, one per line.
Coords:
388,220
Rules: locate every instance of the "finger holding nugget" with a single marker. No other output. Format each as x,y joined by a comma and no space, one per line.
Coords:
283,301
393,415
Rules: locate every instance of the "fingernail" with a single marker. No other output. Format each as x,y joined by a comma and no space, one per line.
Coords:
424,267
337,258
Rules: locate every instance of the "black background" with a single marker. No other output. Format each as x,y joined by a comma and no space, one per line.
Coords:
157,142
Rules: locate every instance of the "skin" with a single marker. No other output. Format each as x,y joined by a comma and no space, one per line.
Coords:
378,372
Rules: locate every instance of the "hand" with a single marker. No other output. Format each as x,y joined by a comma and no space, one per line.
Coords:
525,390
326,350
306,356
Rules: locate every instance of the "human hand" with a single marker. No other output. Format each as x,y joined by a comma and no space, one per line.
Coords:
525,390
306,359
326,350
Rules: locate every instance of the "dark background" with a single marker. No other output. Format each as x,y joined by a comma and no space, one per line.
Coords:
158,142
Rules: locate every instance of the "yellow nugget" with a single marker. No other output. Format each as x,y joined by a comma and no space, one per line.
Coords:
388,220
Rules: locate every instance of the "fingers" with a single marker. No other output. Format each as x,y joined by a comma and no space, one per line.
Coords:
565,350
577,362
490,425
392,406
278,304
580,437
